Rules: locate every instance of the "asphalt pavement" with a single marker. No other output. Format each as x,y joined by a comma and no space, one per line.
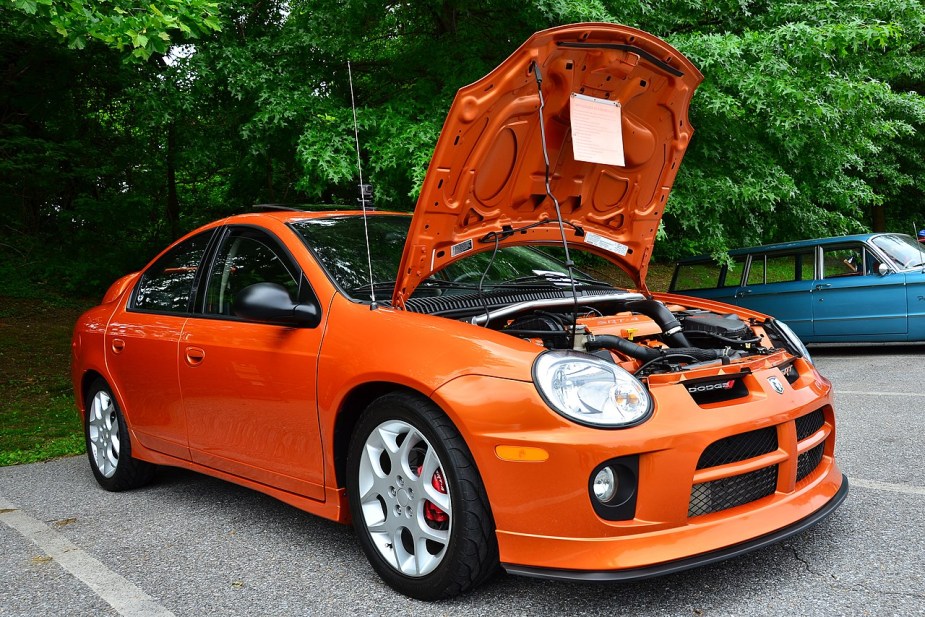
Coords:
192,545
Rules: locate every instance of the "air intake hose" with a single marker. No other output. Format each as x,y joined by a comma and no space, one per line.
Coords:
666,320
646,354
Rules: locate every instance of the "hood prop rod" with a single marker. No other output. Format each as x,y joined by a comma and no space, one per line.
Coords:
568,258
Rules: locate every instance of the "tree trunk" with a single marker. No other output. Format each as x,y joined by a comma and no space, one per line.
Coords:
173,202
879,219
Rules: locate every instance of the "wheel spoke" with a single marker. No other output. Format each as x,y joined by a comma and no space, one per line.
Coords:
392,501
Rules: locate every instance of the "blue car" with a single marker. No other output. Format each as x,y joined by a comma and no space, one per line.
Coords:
868,287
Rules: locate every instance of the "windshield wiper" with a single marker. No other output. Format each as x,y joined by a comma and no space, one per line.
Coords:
559,280
431,282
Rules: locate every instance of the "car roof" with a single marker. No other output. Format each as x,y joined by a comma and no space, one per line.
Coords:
792,245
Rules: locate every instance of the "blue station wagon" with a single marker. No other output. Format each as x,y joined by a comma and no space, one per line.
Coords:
868,287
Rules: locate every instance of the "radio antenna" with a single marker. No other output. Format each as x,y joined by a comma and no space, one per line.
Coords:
363,191
555,202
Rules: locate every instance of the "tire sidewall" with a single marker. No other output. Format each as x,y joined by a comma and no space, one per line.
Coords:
129,473
439,583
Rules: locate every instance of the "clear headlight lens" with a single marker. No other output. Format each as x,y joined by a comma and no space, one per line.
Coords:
589,390
793,340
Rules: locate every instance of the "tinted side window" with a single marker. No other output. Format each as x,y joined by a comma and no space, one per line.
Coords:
167,284
247,256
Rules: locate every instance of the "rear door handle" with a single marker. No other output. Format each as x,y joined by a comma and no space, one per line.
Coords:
117,345
195,356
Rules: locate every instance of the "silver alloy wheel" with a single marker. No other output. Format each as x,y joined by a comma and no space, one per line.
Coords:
400,480
103,427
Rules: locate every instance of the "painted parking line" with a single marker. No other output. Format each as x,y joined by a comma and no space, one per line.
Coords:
115,590
876,485
864,393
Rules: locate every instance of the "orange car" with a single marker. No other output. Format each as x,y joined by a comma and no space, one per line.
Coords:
458,386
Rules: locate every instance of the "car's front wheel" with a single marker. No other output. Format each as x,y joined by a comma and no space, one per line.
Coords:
417,500
108,445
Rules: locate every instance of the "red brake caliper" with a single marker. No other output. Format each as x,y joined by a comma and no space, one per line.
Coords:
431,511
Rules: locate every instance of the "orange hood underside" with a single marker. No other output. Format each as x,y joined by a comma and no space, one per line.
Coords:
487,177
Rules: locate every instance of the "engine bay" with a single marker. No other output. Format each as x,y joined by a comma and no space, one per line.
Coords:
644,336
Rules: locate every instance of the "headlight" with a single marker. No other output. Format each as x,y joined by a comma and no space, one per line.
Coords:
793,340
589,390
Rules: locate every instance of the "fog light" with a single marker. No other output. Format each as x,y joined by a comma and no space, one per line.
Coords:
605,485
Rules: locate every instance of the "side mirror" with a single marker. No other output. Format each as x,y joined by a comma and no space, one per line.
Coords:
882,270
270,303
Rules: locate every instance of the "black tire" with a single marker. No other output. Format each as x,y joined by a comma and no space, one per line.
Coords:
108,445
469,553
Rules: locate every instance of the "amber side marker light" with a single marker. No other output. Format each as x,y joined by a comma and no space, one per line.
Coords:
521,454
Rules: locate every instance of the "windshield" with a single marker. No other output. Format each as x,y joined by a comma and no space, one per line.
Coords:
902,251
339,244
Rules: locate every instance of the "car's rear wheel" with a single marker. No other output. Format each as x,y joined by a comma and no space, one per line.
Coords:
108,446
417,500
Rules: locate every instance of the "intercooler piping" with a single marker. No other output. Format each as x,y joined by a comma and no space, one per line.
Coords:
666,320
647,354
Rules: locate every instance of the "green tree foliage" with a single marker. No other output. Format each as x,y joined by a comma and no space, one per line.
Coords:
123,124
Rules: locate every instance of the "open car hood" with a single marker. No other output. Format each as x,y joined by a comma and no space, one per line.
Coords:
487,177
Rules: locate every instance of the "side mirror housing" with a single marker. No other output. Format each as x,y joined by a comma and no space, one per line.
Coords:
270,303
882,270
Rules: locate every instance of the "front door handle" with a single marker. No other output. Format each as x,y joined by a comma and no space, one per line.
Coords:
743,293
822,286
195,356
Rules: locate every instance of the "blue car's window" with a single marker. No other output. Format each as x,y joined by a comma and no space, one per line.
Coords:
696,276
781,268
847,260
166,286
902,251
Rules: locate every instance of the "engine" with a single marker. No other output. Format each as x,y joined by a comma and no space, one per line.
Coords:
645,335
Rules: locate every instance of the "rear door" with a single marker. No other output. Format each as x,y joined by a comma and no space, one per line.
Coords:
142,346
780,284
851,299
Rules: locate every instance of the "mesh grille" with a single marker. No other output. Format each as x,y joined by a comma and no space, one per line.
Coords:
739,448
808,461
731,492
809,424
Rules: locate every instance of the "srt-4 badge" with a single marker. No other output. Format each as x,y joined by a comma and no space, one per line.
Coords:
776,384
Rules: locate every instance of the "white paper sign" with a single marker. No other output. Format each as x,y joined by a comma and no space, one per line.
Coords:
597,130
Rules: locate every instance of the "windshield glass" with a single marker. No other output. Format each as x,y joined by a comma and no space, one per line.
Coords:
902,251
339,244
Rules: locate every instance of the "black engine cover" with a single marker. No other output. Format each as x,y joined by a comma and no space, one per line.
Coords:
728,326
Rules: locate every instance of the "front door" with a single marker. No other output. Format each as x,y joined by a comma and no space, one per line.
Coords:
249,388
852,299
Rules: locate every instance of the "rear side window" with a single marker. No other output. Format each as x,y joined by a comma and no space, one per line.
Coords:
781,268
734,273
166,286
696,276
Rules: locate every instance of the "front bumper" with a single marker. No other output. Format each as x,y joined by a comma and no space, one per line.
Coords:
696,561
543,512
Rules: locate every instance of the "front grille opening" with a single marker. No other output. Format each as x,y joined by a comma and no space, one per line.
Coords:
713,390
739,448
726,493
809,424
809,460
